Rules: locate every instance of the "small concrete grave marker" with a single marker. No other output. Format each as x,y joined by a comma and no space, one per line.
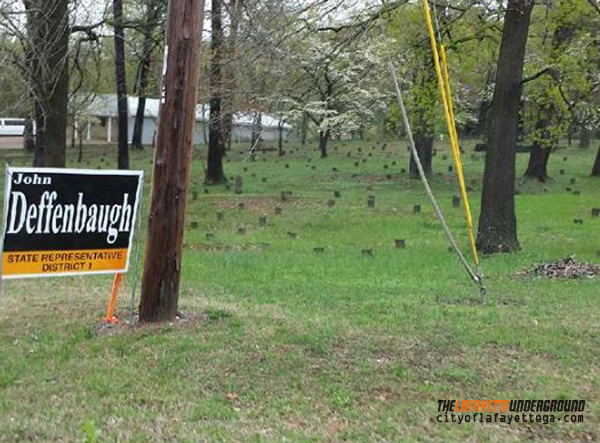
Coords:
238,185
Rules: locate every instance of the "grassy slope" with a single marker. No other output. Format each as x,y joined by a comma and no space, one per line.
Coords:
282,343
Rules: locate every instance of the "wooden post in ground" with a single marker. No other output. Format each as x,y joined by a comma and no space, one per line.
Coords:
172,156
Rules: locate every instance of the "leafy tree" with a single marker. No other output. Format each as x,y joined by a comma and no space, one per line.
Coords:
561,95
338,88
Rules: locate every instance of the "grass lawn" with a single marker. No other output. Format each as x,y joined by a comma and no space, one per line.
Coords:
282,343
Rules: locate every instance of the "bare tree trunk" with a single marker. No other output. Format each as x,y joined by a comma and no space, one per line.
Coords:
80,154
28,139
323,139
73,132
204,125
304,129
280,137
119,37
596,167
216,149
585,136
424,146
541,149
424,117
40,123
57,99
498,221
47,63
230,46
256,130
138,125
160,284
137,141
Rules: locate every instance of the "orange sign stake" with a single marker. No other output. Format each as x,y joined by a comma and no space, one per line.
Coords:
110,311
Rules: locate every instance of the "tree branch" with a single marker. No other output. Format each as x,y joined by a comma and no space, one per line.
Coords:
595,5
547,70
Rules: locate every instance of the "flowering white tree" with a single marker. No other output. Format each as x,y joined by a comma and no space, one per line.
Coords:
338,85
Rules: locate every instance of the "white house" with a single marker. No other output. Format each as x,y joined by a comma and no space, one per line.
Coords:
101,119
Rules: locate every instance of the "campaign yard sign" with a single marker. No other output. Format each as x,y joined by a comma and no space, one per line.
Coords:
68,221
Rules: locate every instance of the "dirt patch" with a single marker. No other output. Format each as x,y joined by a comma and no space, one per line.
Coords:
567,268
187,320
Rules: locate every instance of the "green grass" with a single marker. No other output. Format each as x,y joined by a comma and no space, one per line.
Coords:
282,343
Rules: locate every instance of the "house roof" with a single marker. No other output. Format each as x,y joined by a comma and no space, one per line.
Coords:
105,105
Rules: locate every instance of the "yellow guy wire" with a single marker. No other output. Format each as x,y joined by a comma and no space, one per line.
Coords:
445,92
457,160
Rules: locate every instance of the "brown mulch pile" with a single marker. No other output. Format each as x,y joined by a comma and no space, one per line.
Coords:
566,268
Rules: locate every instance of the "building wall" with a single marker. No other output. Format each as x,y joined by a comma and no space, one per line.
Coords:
239,133
99,131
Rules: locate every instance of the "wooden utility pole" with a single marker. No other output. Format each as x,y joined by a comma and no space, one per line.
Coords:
160,284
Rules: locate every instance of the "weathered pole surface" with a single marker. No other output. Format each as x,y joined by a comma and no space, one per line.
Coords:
160,284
